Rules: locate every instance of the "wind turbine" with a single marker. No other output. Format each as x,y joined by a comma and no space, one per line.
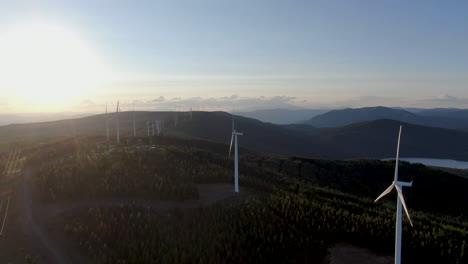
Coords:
398,185
107,124
236,156
134,124
117,123
158,126
147,125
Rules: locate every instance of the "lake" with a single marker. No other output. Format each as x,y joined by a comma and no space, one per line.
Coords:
447,163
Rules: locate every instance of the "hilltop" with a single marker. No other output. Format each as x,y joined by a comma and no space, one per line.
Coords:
372,139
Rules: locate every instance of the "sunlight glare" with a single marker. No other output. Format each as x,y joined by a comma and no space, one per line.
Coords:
47,65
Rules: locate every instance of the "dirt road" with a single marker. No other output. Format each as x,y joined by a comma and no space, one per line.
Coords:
33,217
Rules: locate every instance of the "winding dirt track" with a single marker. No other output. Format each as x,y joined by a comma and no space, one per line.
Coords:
36,216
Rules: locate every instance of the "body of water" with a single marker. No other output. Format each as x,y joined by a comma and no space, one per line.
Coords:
447,163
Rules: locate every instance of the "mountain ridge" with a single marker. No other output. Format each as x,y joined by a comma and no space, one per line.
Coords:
337,118
371,139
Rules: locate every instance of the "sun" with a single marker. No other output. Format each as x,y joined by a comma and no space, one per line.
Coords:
46,65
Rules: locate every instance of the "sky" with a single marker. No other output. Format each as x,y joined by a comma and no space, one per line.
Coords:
78,56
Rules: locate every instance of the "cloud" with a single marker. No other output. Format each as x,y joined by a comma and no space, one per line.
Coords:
441,101
250,103
160,99
87,103
446,97
446,100
220,103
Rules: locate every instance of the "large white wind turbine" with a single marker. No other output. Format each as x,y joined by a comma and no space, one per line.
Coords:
117,123
107,124
236,155
398,185
134,123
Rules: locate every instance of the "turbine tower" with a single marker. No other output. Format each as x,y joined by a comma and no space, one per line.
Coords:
236,156
158,126
117,123
398,185
134,123
107,124
147,125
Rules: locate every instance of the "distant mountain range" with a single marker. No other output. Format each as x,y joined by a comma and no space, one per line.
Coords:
444,118
372,139
283,116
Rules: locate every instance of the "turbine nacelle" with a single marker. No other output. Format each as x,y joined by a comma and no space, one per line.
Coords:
404,184
235,133
397,185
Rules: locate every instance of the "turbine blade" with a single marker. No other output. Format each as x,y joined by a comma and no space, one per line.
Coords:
402,199
230,147
229,155
397,156
387,191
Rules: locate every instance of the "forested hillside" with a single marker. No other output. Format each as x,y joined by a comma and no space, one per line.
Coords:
302,206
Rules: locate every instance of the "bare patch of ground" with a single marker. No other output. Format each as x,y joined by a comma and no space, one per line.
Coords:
349,254
208,195
51,243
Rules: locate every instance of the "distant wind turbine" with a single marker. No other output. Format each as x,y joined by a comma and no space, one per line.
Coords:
117,123
134,123
147,126
158,126
107,124
236,155
400,201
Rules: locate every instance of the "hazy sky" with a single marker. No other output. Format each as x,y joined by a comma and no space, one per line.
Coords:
211,53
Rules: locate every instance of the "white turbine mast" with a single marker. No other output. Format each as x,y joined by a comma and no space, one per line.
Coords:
134,122
117,123
107,124
236,155
398,185
158,126
147,126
